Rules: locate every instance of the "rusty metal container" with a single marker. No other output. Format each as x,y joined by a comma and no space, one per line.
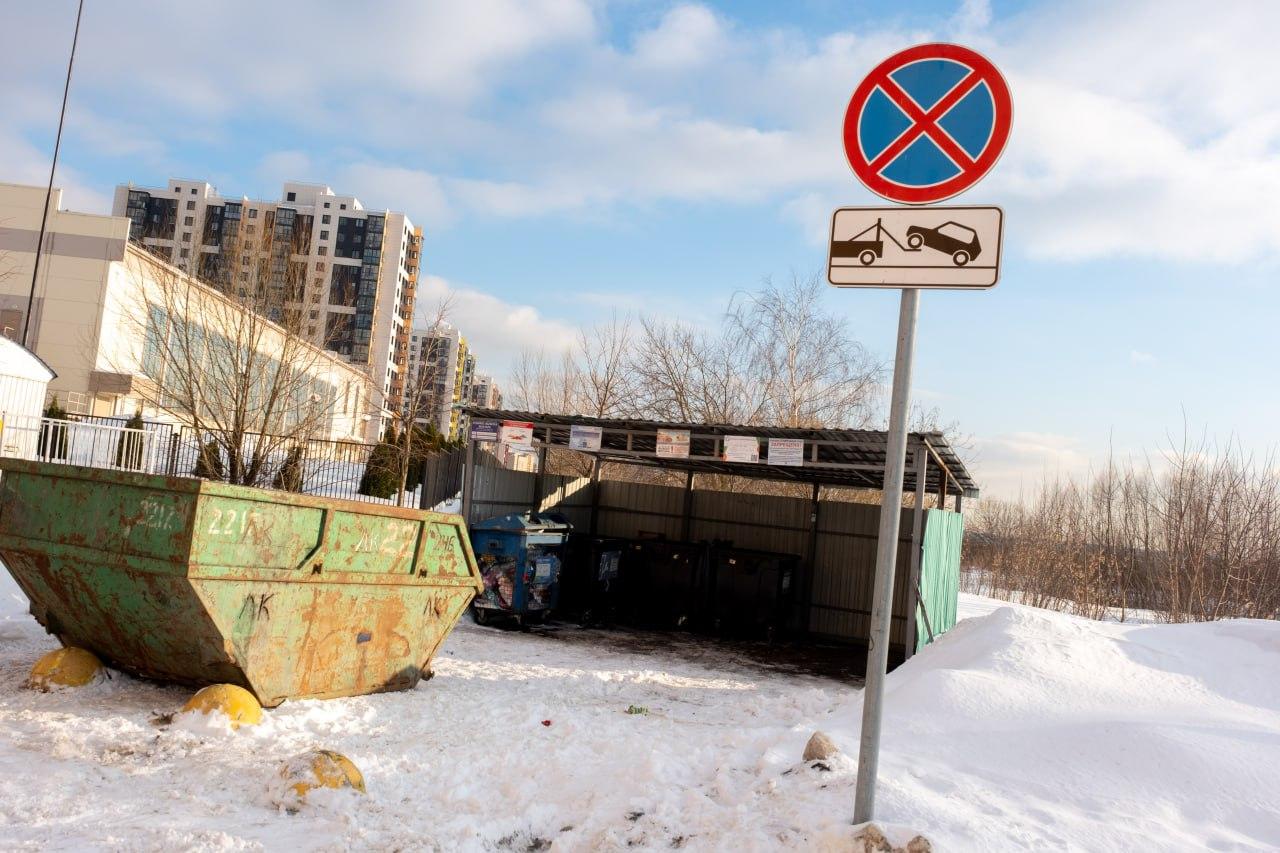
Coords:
290,596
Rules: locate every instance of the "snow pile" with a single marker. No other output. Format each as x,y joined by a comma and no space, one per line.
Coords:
1018,730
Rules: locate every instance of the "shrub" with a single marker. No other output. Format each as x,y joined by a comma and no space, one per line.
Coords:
53,436
289,477
209,461
129,448
381,477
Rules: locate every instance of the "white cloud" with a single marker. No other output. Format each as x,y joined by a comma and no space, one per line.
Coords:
1139,357
1016,464
280,166
497,331
1143,129
25,164
380,186
687,36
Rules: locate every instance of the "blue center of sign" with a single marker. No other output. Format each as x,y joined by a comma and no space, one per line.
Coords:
969,122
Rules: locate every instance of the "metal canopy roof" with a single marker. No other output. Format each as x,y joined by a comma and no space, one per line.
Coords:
834,457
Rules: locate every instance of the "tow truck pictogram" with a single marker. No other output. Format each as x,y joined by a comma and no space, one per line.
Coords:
950,238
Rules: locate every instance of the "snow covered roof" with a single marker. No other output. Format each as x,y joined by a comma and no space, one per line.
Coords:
18,361
834,457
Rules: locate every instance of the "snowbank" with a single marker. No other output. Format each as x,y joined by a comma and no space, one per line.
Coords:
1018,730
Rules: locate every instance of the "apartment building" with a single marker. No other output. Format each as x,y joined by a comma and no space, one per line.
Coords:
485,392
95,310
346,273
442,374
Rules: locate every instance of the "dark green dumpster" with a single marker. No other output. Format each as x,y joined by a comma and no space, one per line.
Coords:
291,596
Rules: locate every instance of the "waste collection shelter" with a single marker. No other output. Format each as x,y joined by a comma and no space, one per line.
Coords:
835,540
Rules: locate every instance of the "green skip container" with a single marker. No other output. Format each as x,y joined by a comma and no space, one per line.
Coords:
290,596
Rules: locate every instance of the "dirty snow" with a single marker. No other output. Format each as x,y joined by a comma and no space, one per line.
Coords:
1020,729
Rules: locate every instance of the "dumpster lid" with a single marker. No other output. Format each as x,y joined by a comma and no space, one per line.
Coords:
525,522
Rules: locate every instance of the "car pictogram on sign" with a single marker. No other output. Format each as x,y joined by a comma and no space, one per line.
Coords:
950,238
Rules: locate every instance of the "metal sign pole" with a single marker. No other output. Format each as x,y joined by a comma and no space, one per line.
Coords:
895,463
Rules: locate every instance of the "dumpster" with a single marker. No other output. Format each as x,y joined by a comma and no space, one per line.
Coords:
589,579
664,584
290,596
751,591
520,558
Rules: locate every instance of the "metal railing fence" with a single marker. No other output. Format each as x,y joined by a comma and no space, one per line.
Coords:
309,466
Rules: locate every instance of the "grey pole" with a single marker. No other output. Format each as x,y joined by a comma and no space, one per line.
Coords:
895,463
468,481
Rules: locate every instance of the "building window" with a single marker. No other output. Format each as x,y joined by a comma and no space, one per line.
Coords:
324,235
193,190
291,197
78,403
324,250
184,252
177,189
315,315
188,220
326,205
186,236
342,207
253,213
324,220
191,205
319,266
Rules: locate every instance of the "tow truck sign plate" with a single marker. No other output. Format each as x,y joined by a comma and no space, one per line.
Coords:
935,247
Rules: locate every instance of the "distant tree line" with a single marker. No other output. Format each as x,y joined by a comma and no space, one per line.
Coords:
1193,536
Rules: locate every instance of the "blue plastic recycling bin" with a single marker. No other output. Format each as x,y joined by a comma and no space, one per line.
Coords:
519,558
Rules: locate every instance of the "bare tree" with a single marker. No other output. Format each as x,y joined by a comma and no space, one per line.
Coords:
426,395
811,371
776,358
542,384
228,354
1193,536
605,386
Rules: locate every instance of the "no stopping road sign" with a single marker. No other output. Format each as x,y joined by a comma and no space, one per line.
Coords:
927,123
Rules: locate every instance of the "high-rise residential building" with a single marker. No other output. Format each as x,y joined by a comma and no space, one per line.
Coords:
102,305
441,375
485,392
343,275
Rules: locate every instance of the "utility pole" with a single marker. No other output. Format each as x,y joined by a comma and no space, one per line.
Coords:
48,193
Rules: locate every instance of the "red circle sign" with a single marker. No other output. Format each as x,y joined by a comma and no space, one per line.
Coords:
927,123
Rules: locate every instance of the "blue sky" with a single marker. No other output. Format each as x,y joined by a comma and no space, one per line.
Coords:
570,158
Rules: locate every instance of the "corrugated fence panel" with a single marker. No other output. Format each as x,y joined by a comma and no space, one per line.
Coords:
762,522
844,572
498,491
569,496
940,571
630,509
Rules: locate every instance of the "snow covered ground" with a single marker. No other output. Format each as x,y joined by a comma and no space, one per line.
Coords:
1020,729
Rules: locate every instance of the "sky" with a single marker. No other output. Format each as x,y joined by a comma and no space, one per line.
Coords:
569,159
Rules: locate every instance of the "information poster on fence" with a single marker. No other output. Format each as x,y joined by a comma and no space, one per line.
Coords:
484,430
786,451
516,434
585,437
673,444
741,448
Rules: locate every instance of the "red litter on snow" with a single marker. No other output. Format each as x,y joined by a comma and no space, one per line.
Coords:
546,722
